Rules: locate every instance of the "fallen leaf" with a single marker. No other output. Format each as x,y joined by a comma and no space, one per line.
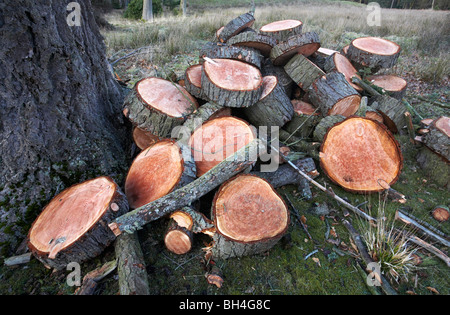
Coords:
316,260
433,290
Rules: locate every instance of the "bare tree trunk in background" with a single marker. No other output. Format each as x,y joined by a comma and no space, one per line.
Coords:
61,118
147,11
183,4
432,5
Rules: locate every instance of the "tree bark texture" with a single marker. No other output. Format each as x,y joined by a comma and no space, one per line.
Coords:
61,120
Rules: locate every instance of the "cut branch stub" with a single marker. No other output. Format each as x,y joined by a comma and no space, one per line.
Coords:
358,153
235,26
231,83
282,30
393,85
260,42
249,215
373,52
305,44
73,227
274,108
438,137
218,139
339,63
157,105
155,172
334,95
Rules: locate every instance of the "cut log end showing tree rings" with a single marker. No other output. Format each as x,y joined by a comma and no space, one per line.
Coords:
235,26
282,30
338,62
218,139
305,44
441,213
393,85
157,106
373,52
193,80
359,153
73,227
143,139
178,239
249,215
155,172
231,83
260,42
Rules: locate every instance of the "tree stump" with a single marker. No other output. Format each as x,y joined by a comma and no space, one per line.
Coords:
231,83
339,63
262,43
438,137
392,110
334,95
157,106
73,227
282,30
361,155
193,80
224,51
305,119
305,44
235,26
274,107
155,172
303,71
249,215
393,85
373,52
217,139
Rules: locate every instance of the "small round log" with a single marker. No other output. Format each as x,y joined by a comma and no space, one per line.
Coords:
438,137
282,30
224,51
155,172
262,43
157,106
359,153
178,239
305,44
283,78
334,95
143,139
302,71
373,52
73,227
217,139
392,110
193,80
339,63
393,85
274,107
235,26
249,215
231,83
441,213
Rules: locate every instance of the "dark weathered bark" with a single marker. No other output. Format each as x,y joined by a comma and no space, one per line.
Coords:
260,42
61,120
302,71
326,123
305,44
392,110
235,26
241,53
283,78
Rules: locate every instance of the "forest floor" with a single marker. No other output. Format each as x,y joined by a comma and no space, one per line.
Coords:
297,264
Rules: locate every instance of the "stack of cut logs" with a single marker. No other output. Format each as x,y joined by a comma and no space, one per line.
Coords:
197,135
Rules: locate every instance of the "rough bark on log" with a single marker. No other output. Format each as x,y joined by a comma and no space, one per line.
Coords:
373,52
334,95
302,71
204,113
262,43
438,137
249,215
393,85
305,44
324,125
157,105
133,278
339,63
282,30
304,121
136,219
283,78
235,26
231,83
358,153
157,171
193,80
392,110
434,166
218,139
91,280
193,220
224,51
178,239
73,226
274,107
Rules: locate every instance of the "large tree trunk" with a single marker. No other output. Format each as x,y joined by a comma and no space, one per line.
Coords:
60,108
147,10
